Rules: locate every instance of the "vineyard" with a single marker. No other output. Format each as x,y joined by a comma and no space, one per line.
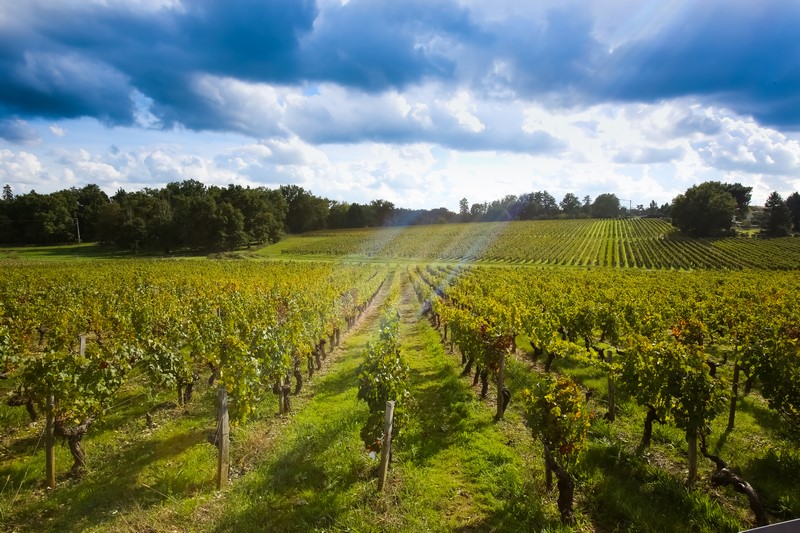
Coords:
632,243
136,391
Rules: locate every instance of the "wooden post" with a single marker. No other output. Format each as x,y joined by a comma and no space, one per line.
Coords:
223,438
734,393
548,470
386,446
500,383
611,391
50,444
83,345
691,440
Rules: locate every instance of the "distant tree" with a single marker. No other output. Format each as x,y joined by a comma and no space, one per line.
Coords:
793,203
306,212
605,206
6,227
381,212
587,205
570,205
463,210
90,200
778,219
652,209
741,194
704,210
356,216
476,211
337,215
500,209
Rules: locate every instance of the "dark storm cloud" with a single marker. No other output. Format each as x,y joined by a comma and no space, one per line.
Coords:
73,60
17,131
743,55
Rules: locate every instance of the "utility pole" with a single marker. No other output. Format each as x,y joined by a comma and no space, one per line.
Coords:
77,222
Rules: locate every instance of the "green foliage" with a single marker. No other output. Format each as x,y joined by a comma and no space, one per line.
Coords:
605,206
704,210
778,370
383,377
778,221
558,415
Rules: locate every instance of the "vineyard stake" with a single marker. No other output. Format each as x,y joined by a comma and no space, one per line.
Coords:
386,445
611,392
50,444
500,379
223,439
734,392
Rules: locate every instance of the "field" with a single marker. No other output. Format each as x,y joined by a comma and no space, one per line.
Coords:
633,243
118,354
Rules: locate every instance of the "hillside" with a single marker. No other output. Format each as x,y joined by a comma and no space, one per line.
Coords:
637,243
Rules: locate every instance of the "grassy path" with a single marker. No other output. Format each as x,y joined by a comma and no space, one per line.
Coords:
457,469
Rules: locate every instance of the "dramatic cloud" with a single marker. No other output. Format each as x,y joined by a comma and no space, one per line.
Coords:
17,131
379,97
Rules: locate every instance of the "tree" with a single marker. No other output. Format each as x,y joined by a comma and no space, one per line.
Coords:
477,211
704,210
570,205
306,212
463,210
778,216
382,211
90,201
587,205
605,206
793,203
741,194
8,195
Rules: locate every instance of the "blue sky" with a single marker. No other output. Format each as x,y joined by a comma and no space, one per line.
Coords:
420,102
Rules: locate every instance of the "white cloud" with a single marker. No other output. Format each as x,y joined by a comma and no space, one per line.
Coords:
639,152
56,130
463,110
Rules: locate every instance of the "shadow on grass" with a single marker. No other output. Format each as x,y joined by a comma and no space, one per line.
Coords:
110,487
624,493
443,412
764,417
775,476
306,486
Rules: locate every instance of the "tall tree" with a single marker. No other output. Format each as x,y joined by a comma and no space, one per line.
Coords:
605,205
793,203
704,210
778,218
570,205
306,212
741,194
382,211
463,210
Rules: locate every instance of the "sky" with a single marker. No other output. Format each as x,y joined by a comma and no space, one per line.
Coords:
418,102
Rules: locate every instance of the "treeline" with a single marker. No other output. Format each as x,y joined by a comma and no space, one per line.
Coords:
542,205
185,215
189,215
713,209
